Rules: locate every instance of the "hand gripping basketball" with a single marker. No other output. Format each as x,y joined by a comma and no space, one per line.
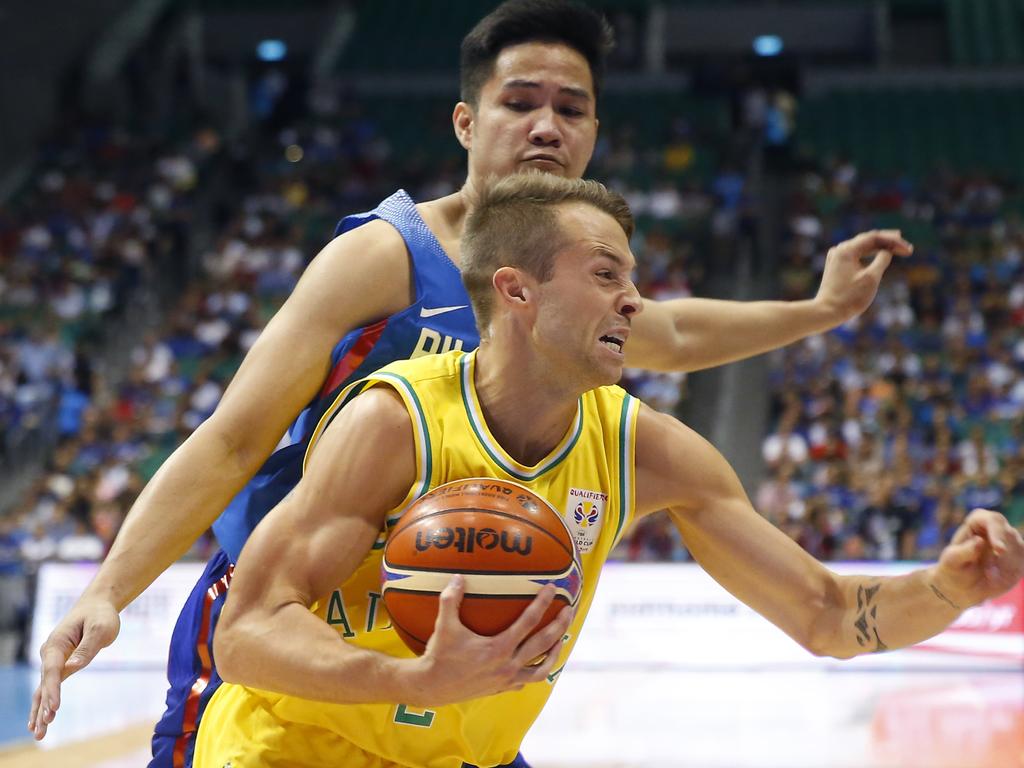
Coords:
459,664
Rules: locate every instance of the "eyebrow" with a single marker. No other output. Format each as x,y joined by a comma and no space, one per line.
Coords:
607,253
580,93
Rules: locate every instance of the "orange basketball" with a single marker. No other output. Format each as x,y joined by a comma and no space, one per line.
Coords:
505,539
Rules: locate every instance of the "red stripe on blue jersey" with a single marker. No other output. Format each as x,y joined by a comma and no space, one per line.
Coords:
354,357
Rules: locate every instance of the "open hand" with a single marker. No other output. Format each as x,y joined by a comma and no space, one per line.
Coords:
90,626
848,285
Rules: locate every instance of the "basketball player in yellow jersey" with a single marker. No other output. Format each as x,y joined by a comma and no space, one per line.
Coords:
547,266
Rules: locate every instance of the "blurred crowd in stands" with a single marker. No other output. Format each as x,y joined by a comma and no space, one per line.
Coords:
887,431
79,243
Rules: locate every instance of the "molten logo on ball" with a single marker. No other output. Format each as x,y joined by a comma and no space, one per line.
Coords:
508,543
473,486
468,539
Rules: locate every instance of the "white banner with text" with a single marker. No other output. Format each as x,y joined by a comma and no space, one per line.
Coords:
670,615
146,624
675,615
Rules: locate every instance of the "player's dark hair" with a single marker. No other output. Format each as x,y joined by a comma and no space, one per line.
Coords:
514,223
533,21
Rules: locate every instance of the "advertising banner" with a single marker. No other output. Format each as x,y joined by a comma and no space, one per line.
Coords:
146,624
675,615
646,615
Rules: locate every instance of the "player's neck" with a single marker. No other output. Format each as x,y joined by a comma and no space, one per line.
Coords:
527,410
445,217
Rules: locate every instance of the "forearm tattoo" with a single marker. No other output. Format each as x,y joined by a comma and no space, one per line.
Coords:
943,598
867,619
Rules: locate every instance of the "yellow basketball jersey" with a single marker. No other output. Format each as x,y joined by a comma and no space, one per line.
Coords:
587,477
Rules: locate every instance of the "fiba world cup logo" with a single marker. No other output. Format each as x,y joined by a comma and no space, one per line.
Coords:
585,514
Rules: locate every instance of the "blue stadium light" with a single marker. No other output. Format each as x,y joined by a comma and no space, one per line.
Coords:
767,45
271,50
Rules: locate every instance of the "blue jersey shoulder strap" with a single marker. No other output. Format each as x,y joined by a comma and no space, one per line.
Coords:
432,269
439,319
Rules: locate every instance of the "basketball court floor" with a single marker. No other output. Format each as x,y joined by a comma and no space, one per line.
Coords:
628,716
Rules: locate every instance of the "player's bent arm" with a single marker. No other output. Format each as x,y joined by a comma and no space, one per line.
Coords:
832,615
693,334
679,470
268,638
306,547
359,277
690,334
356,279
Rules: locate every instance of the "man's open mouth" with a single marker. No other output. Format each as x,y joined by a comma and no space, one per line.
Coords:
613,342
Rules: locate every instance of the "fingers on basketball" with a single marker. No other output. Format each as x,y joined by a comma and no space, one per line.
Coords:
449,602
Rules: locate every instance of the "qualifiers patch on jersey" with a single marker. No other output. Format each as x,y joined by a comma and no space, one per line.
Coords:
584,512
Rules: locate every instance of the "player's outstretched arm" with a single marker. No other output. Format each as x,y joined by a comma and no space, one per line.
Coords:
268,638
691,334
873,614
830,615
356,279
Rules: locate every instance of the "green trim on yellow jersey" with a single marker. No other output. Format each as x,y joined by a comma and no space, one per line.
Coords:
467,365
421,435
627,460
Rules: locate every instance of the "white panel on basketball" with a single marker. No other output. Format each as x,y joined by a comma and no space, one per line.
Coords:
566,583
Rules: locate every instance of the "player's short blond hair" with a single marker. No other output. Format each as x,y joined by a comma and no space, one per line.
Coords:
513,223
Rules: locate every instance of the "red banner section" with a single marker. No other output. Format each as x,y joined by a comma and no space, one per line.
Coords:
994,630
1004,614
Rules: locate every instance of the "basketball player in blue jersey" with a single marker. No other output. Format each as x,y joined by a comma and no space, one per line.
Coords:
388,288
547,265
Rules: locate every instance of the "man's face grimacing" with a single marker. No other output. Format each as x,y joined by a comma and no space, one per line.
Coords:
584,312
537,111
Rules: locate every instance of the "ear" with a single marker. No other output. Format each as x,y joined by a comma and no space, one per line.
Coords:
514,287
462,122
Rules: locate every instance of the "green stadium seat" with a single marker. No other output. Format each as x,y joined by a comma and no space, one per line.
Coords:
918,130
983,37
1009,30
956,24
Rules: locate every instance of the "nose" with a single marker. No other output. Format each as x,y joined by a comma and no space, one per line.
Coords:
632,302
545,131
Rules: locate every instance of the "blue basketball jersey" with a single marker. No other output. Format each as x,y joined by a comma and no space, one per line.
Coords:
439,319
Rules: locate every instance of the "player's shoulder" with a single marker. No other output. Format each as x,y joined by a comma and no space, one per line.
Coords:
374,422
658,425
442,368
666,445
382,406
373,239
371,259
357,278
611,397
